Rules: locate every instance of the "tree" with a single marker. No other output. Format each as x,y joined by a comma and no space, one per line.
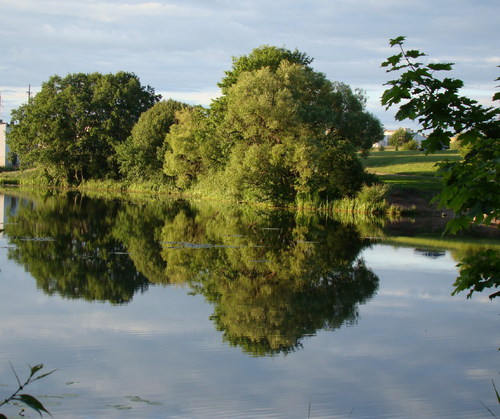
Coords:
141,156
399,137
272,128
71,128
332,106
263,56
350,122
189,147
470,186
284,122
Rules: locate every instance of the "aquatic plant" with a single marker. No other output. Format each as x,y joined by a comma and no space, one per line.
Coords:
27,399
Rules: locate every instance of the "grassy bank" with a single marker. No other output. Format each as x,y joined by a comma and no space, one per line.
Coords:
402,170
411,174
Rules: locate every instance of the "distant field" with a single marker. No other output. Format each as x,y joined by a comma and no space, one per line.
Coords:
415,163
409,169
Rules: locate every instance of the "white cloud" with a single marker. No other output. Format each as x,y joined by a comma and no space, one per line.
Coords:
184,46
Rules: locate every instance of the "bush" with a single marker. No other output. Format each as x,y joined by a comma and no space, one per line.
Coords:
410,146
374,193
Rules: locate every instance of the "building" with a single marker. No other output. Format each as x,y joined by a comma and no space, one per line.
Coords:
4,148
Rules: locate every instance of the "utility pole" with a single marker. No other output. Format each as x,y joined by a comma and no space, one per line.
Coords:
29,93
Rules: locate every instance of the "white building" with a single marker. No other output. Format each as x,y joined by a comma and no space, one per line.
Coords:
387,134
4,148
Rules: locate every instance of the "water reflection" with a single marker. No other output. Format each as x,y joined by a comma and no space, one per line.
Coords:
273,277
67,245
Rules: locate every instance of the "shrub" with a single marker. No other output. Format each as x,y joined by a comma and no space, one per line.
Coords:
410,145
372,194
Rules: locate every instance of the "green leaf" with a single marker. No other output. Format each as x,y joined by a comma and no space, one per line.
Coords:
44,375
397,41
392,60
440,66
32,402
35,369
414,53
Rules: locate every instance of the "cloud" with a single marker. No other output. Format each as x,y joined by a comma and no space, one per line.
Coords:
185,46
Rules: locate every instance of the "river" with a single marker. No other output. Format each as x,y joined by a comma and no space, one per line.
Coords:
181,309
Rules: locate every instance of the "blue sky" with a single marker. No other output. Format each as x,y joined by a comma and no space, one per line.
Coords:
182,47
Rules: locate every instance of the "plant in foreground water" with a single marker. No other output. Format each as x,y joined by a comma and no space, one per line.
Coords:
27,399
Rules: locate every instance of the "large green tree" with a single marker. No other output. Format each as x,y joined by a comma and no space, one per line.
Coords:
280,133
141,156
330,106
71,128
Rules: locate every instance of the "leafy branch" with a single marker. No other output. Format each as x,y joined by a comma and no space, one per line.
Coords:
470,186
27,399
434,103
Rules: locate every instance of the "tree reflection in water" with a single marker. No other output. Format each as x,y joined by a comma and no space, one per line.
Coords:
66,244
273,277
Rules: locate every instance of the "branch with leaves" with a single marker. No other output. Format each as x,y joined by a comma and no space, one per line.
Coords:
27,399
470,186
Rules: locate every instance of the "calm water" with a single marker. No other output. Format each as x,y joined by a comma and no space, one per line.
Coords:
177,310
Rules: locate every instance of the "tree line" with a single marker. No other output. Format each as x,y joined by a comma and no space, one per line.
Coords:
280,132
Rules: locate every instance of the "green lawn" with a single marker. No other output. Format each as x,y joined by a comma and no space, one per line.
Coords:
415,163
409,169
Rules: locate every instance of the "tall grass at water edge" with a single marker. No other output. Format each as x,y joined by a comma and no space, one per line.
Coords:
369,200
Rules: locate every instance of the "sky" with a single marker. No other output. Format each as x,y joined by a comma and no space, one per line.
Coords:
181,48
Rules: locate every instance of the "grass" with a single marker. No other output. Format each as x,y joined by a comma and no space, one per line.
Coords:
463,244
415,163
429,186
17,177
410,170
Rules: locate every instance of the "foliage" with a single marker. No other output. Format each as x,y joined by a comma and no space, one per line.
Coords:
191,150
400,137
369,200
273,277
73,125
411,145
479,271
72,252
141,156
281,134
373,193
27,399
470,186
263,56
